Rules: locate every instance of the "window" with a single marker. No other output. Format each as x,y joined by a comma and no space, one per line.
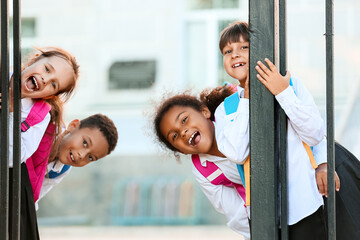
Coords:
210,4
132,74
28,27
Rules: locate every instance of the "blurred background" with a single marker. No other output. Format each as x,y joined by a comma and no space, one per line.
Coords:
131,53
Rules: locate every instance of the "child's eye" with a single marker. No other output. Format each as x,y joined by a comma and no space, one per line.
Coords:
226,52
53,84
47,69
244,47
174,136
85,143
184,120
91,158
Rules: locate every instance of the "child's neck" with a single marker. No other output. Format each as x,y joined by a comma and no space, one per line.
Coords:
214,150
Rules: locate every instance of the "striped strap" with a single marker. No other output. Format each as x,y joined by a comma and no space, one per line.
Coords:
247,180
244,172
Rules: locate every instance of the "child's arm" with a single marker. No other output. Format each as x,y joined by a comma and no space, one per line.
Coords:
297,103
232,131
320,155
227,201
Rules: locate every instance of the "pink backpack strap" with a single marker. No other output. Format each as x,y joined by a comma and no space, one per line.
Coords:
214,174
37,163
36,115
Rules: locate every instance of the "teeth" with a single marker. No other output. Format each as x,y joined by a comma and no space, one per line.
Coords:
30,90
192,136
35,82
238,65
72,157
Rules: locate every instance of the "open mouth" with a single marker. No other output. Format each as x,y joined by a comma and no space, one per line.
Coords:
31,84
72,157
194,139
238,65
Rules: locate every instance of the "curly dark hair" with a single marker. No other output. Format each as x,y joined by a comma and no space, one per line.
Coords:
212,97
105,125
233,32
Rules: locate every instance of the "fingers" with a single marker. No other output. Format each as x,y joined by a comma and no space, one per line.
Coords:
337,182
261,79
271,65
262,69
320,184
325,186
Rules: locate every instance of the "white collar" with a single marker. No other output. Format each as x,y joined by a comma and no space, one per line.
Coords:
210,158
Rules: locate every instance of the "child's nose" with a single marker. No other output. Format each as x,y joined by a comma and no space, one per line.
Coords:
82,154
236,53
183,133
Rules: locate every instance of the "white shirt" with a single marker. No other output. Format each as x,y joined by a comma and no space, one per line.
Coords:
225,200
304,124
30,139
49,183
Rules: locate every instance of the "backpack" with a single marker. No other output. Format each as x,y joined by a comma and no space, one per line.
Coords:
213,173
37,163
347,166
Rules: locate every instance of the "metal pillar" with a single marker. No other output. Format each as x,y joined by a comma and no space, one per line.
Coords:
15,211
330,119
4,164
262,126
4,122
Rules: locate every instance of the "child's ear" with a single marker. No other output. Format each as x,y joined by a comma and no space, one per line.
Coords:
74,124
206,112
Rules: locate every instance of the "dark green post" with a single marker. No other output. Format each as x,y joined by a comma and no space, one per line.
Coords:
330,119
281,123
264,223
4,164
16,180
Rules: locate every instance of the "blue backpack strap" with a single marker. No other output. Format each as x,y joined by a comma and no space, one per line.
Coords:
231,104
241,172
53,174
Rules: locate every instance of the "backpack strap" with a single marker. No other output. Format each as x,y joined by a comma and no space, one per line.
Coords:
231,104
244,171
36,115
214,174
53,174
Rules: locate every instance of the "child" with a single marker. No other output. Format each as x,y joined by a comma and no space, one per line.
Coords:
81,143
182,124
47,81
306,217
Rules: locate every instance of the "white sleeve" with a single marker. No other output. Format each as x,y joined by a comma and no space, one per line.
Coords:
30,139
320,152
232,132
49,183
227,201
302,112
